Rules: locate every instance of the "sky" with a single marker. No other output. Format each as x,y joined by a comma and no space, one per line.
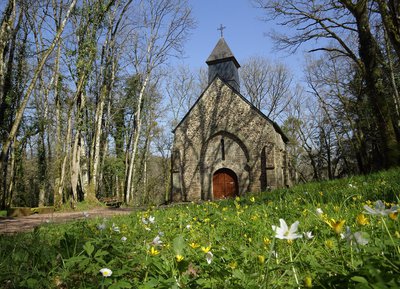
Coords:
245,34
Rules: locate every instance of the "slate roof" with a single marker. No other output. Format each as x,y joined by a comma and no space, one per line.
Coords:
221,53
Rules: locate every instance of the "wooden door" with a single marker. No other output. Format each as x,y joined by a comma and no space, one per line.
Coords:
225,184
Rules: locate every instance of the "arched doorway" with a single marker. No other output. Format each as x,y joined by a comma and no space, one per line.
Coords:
225,184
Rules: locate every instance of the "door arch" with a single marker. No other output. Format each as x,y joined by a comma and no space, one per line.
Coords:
225,184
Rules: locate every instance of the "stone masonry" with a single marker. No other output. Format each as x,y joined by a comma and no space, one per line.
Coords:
223,131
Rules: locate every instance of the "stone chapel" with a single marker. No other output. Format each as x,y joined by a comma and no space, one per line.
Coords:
224,146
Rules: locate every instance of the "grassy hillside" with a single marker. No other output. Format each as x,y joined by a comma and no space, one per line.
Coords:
347,236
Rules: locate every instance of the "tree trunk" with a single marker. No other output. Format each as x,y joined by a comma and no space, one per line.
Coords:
378,95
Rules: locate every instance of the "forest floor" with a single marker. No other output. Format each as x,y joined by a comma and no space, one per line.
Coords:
29,223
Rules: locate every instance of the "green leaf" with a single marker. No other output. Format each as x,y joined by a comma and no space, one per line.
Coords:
120,284
178,244
89,248
359,279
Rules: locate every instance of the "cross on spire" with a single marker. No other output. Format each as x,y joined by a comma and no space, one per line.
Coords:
221,28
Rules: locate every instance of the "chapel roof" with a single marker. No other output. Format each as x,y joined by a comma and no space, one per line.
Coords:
221,53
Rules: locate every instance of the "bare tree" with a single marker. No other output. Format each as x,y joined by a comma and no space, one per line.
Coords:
267,85
164,25
347,24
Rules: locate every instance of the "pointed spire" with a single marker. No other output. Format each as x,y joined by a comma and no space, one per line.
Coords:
221,52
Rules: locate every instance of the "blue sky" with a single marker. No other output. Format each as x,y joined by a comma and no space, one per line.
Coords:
244,33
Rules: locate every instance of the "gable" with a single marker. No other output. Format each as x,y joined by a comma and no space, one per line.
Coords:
214,93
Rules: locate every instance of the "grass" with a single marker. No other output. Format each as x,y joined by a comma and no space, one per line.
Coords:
226,244
3,213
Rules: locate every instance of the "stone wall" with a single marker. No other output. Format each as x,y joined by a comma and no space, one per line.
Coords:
222,130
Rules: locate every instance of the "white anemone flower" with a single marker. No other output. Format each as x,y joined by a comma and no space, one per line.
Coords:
106,272
123,239
319,211
209,257
101,227
380,209
308,235
283,232
144,221
358,237
115,228
152,219
157,241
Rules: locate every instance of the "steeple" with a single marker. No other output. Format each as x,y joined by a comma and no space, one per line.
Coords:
223,63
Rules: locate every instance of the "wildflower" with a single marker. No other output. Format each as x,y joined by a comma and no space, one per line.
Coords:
115,228
308,235
380,209
179,258
153,251
337,226
123,239
237,199
329,243
261,259
144,221
362,220
194,245
156,241
152,219
232,265
106,272
206,249
319,211
308,282
209,257
358,237
188,226
86,214
266,241
283,232
101,227
252,199
393,215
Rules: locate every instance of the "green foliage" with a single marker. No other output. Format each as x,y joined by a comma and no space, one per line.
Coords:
225,244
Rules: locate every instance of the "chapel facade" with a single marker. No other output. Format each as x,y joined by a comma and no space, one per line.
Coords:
224,146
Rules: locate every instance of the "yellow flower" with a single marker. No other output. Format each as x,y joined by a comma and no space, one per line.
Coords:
329,243
321,194
266,241
337,226
179,258
252,199
206,249
232,265
394,215
261,259
153,251
308,282
194,245
362,220
237,199
336,208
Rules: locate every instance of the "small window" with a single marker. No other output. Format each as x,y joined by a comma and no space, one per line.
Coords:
223,149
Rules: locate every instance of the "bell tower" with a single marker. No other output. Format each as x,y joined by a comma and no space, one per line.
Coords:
223,63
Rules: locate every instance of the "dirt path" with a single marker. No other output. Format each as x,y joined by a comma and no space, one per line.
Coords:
28,223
